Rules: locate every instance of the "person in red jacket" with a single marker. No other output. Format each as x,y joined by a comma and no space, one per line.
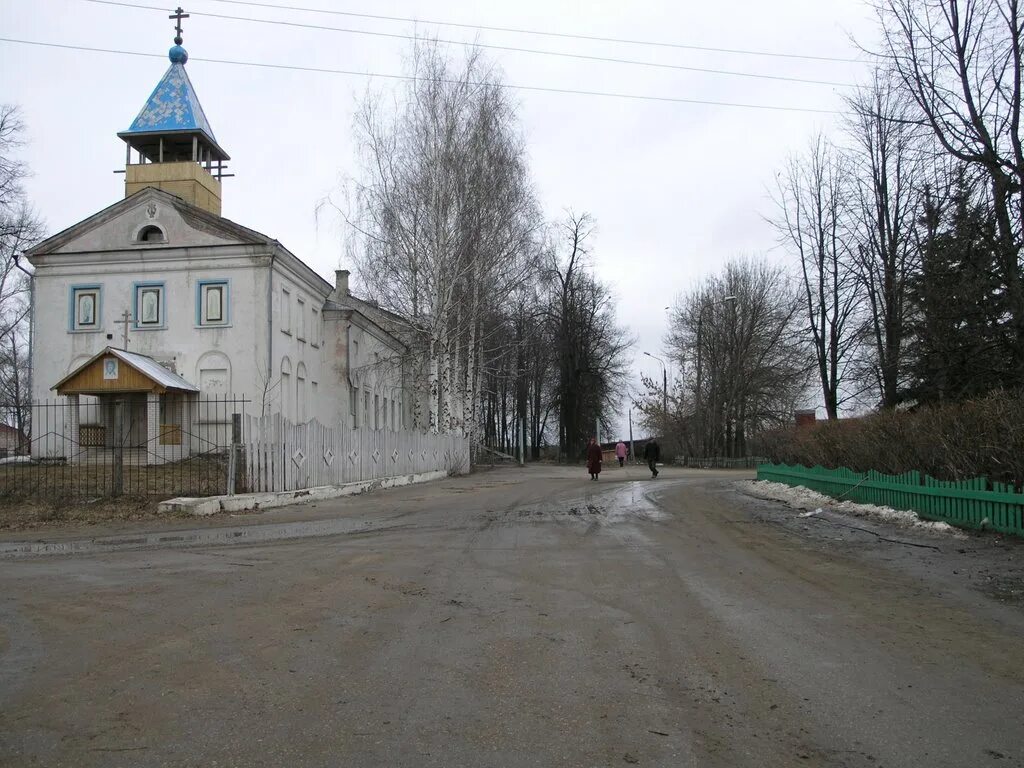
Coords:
594,458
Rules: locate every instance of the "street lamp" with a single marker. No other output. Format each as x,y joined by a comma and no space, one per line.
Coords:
664,387
700,327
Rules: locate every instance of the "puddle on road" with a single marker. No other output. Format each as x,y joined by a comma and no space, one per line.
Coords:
621,503
249,534
629,502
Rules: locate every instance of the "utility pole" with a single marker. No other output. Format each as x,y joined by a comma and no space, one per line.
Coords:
632,453
664,391
521,393
664,394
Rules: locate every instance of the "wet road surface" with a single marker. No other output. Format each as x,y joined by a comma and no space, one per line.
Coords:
508,619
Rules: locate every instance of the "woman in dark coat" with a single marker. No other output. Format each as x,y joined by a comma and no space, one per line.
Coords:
594,458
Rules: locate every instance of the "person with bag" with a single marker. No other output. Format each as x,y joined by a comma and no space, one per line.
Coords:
652,452
594,458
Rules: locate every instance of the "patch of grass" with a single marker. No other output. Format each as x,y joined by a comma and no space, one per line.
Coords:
28,514
201,476
57,493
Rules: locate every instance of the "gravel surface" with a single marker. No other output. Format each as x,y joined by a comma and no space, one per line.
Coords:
517,618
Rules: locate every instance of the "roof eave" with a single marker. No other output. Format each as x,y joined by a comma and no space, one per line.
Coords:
127,136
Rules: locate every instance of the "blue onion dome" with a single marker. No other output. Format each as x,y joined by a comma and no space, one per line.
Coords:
178,55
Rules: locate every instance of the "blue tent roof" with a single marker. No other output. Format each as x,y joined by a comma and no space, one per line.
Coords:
173,107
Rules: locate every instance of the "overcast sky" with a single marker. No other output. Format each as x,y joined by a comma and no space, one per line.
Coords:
676,189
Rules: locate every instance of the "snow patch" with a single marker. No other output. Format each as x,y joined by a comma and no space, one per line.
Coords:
18,460
813,502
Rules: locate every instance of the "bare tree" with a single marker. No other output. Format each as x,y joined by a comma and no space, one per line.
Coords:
753,359
590,346
20,228
886,160
812,219
959,63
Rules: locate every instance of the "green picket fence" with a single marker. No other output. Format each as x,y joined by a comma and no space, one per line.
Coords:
973,503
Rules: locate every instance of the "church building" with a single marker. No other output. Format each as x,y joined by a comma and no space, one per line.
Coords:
160,301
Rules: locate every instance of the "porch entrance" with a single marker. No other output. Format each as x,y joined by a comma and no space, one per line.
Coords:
129,403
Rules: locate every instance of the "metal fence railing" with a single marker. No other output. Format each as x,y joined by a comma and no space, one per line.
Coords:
131,444
719,462
973,503
186,444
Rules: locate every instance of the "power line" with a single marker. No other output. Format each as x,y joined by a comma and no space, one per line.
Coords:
509,86
542,33
509,48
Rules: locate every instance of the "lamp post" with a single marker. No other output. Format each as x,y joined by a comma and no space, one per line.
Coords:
700,327
664,387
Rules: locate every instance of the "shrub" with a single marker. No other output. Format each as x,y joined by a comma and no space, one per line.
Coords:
950,442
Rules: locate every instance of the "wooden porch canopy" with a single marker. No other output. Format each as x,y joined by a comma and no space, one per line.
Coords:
116,371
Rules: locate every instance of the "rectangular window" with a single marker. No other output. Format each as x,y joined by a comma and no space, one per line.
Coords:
149,305
376,411
213,302
353,396
300,331
384,412
314,331
286,310
394,422
85,308
366,408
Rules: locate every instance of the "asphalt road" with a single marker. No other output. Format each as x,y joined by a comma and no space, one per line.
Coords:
513,618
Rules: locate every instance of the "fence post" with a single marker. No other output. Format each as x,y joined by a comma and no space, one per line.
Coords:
117,476
236,438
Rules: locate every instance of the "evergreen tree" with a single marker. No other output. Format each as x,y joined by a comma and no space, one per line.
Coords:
963,342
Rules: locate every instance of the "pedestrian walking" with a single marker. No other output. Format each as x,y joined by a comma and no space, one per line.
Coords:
620,452
594,458
652,452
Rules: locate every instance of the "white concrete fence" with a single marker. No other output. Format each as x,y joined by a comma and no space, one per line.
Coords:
281,456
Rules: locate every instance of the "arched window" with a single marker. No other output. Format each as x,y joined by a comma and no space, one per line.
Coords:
286,387
300,393
214,373
151,234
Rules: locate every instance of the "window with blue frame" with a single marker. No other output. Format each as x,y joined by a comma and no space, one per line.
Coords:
213,303
84,312
150,305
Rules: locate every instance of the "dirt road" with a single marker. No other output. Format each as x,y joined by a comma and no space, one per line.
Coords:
515,618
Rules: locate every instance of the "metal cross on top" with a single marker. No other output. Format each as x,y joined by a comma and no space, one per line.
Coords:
126,319
178,15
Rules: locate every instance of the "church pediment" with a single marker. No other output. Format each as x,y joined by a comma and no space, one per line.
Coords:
151,218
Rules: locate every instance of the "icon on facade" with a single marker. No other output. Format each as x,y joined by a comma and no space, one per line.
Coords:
110,369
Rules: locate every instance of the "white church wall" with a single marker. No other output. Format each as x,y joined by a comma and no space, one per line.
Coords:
375,376
272,341
298,389
220,356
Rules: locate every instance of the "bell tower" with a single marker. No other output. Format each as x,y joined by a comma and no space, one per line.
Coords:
171,145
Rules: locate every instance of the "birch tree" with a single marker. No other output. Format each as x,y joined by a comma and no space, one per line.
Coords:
444,218
20,228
